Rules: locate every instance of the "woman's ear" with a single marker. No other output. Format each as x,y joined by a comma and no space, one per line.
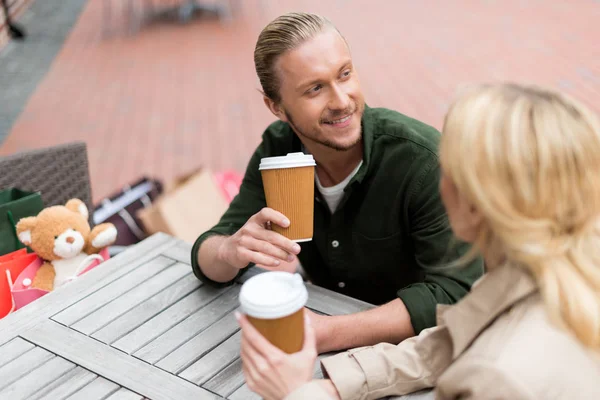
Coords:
472,219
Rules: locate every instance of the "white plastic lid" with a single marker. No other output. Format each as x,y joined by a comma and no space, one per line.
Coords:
273,295
291,160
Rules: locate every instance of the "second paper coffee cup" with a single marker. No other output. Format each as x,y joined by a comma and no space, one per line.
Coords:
289,183
274,303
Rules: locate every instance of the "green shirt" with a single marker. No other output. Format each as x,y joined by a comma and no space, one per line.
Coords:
389,236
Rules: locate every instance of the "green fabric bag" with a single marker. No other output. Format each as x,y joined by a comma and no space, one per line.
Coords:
14,205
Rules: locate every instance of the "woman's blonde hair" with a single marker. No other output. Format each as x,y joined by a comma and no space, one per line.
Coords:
528,159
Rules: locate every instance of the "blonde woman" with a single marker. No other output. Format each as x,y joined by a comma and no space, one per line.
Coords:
521,182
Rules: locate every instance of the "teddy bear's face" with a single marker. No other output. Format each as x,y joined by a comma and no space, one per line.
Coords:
58,233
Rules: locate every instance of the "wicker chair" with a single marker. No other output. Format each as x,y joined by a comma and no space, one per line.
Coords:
59,173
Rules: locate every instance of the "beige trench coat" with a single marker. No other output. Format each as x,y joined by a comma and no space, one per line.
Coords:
496,343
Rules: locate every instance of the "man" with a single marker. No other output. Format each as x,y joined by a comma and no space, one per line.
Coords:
380,230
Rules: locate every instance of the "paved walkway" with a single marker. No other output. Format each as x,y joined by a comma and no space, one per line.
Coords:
171,97
23,64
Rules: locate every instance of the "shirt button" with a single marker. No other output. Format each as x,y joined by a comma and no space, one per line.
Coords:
341,285
335,244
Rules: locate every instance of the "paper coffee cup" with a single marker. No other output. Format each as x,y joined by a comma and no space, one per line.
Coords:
289,183
274,303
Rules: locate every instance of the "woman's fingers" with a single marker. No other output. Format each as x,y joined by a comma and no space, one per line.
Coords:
259,377
310,337
257,341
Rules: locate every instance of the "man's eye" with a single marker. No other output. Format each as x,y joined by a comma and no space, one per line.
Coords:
316,88
346,74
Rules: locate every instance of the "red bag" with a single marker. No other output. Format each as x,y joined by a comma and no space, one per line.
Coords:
11,265
21,290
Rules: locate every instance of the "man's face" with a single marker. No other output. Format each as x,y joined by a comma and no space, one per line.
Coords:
320,92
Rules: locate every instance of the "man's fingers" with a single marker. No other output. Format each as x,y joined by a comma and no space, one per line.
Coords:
269,215
250,256
266,248
277,240
256,229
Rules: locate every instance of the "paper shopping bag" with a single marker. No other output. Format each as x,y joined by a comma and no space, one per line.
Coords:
11,265
23,293
14,205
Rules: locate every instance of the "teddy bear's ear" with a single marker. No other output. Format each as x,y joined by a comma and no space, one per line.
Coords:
24,227
78,206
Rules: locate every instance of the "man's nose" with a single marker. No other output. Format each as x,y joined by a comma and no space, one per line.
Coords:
339,99
70,239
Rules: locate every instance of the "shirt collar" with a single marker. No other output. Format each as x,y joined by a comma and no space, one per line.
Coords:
494,294
368,128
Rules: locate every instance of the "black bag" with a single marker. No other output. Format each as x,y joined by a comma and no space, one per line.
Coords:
121,208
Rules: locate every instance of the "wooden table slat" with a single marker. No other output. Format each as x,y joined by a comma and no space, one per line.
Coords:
113,364
110,271
181,252
22,365
97,389
244,393
13,349
146,310
167,319
124,394
126,301
228,380
110,291
199,345
68,384
212,363
38,379
190,327
332,303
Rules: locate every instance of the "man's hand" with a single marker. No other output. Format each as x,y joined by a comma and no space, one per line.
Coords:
255,243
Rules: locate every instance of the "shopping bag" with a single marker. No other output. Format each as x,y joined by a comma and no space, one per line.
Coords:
14,205
121,208
11,265
21,289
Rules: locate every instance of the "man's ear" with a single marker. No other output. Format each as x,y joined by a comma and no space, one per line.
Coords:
275,108
24,227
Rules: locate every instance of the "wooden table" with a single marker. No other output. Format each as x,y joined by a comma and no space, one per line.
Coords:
138,326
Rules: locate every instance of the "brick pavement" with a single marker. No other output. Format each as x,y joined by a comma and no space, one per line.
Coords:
171,97
24,63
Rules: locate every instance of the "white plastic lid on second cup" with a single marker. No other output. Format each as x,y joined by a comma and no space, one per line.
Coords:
274,294
291,160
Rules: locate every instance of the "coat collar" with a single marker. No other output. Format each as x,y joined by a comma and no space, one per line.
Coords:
494,294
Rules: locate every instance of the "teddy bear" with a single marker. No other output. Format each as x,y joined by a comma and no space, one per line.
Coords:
61,236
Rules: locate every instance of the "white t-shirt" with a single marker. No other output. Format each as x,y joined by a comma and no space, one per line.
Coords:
333,195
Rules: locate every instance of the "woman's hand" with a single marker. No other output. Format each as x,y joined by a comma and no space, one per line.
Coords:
270,372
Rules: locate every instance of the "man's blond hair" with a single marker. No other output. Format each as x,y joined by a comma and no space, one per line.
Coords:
283,34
